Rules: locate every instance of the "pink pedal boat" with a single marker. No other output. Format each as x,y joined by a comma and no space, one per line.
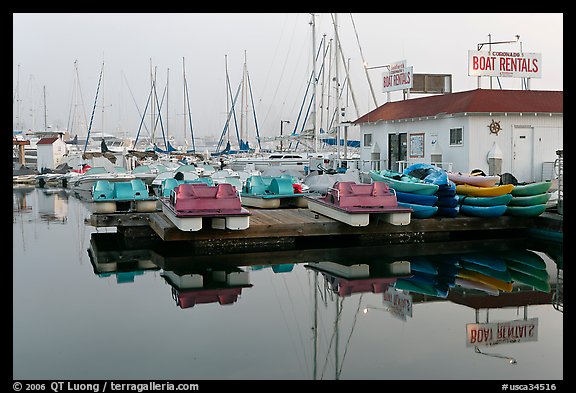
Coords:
190,203
352,203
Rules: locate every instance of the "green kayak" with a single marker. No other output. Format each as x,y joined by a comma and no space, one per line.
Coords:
523,278
531,188
404,183
527,269
485,201
525,257
529,200
525,211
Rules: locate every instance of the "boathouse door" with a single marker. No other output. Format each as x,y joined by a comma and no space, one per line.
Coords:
397,150
523,153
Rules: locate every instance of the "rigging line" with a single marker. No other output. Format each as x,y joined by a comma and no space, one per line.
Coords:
134,100
189,111
339,46
285,321
94,107
273,99
350,335
142,120
227,121
232,108
336,320
364,62
310,82
299,330
159,117
254,111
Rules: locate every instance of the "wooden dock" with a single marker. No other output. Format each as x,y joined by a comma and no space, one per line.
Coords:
297,225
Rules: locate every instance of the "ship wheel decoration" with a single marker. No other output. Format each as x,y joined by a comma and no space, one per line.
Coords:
495,127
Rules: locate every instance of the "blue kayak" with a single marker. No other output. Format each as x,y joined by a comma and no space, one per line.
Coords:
485,259
409,197
420,211
483,211
449,212
448,201
428,173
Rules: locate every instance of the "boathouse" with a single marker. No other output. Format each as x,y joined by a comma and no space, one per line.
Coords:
497,131
50,152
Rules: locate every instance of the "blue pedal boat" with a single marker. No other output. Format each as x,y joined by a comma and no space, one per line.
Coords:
131,195
271,192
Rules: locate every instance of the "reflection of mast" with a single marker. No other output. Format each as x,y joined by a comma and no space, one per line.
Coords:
495,355
334,342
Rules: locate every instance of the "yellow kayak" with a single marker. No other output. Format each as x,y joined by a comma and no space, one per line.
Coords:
483,278
467,189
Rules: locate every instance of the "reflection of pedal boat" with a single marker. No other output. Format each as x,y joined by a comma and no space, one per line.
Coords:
189,203
223,287
110,197
346,280
352,204
271,192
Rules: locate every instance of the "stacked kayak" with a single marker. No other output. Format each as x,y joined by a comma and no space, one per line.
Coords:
447,201
411,192
403,183
529,199
484,206
480,196
473,180
528,268
429,276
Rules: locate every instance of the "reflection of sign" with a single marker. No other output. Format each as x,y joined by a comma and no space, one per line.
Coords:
521,330
399,77
417,145
506,64
398,303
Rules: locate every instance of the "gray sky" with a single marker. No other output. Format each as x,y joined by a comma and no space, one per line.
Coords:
278,49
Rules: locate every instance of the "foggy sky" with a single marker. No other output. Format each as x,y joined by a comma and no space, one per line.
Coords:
277,50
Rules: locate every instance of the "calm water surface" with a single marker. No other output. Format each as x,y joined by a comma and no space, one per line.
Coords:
83,309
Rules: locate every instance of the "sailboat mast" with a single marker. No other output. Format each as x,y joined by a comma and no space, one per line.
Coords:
314,83
337,84
227,82
184,96
167,95
152,112
243,103
45,111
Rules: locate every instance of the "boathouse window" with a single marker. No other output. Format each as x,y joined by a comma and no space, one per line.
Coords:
367,139
456,136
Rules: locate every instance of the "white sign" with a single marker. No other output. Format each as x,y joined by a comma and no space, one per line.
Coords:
398,67
401,78
521,330
398,303
505,64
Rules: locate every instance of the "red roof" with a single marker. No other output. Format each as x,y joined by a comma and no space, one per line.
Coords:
47,141
473,101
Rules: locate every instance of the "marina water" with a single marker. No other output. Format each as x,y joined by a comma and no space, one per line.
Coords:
72,320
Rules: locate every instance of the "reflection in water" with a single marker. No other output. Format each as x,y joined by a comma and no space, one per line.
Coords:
108,259
482,281
206,286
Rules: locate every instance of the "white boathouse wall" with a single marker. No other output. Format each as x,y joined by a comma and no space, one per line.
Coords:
477,140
